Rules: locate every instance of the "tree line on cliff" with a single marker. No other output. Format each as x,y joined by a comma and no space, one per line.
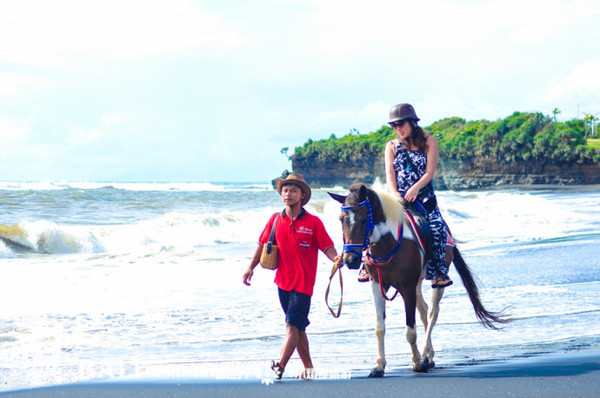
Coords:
518,137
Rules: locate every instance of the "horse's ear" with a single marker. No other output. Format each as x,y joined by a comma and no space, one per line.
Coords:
339,198
363,193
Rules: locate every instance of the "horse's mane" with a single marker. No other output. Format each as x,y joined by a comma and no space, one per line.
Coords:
392,207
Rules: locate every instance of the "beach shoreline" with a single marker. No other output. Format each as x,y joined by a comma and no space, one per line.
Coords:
571,374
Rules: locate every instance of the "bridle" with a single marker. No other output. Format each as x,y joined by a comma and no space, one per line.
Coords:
372,260
370,227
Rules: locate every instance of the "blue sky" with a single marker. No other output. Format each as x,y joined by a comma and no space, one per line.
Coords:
180,90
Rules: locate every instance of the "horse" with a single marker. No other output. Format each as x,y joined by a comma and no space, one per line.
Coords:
377,222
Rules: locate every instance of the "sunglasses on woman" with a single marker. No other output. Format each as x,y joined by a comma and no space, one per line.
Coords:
397,124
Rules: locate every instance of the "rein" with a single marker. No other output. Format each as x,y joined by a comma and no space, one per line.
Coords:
373,260
336,268
382,262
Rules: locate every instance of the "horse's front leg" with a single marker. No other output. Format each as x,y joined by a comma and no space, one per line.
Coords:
379,301
410,302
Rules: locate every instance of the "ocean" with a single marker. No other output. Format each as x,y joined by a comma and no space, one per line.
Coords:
122,281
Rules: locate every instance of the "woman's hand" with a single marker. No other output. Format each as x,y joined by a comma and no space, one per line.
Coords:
411,194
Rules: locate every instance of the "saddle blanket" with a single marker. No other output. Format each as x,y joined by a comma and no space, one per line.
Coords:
417,232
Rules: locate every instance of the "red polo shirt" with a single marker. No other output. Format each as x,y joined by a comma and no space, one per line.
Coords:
298,246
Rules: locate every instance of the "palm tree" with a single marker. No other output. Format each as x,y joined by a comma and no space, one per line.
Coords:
590,124
555,112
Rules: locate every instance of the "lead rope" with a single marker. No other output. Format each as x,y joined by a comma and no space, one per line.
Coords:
336,268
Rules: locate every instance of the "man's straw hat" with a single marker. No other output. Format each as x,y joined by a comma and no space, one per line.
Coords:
295,179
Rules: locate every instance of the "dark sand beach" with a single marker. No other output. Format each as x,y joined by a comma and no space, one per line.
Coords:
574,374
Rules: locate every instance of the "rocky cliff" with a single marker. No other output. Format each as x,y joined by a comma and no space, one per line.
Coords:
330,174
452,174
486,172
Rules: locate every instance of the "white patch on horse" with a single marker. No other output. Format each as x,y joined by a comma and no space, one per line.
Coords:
408,233
394,215
351,217
380,230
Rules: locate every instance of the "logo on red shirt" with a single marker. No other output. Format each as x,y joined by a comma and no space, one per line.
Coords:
305,230
304,245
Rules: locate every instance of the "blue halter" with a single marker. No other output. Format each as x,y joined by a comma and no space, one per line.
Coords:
370,227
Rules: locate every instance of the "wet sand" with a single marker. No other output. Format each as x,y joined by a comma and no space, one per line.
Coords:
575,374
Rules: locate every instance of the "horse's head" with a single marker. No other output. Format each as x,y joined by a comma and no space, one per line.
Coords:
357,223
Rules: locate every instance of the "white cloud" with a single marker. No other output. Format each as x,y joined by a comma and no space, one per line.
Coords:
13,83
584,78
444,100
48,32
447,103
579,90
209,77
110,128
12,130
341,26
365,119
375,112
116,118
82,137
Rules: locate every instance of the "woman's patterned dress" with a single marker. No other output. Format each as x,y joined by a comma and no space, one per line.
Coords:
410,167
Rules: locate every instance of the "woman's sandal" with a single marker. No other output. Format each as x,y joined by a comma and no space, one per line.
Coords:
363,275
278,369
441,283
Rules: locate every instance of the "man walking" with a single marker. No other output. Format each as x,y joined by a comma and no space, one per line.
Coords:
299,236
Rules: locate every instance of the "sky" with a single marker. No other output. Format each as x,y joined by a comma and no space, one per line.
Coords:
211,91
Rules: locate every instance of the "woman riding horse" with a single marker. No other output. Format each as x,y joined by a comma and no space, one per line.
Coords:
410,163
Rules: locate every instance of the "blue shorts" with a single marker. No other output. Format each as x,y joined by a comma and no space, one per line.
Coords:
296,307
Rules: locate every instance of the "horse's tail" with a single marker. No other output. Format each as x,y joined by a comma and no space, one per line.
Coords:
487,318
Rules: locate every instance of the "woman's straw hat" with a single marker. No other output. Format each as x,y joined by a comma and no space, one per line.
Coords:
295,179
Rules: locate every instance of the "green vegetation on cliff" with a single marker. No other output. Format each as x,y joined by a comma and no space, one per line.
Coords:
518,137
352,146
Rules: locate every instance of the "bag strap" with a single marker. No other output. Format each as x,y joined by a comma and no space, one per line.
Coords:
270,242
273,229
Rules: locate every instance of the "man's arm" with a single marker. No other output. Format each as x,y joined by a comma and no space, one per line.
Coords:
332,254
253,263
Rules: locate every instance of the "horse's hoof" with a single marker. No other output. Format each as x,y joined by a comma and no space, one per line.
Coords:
423,366
378,373
431,365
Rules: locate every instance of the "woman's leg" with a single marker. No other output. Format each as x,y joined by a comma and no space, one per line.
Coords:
437,266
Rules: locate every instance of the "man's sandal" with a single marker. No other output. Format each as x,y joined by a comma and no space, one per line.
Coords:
278,369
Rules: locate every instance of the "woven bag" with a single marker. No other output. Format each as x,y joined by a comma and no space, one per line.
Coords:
269,257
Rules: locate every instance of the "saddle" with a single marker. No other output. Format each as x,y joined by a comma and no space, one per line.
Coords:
421,224
422,228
